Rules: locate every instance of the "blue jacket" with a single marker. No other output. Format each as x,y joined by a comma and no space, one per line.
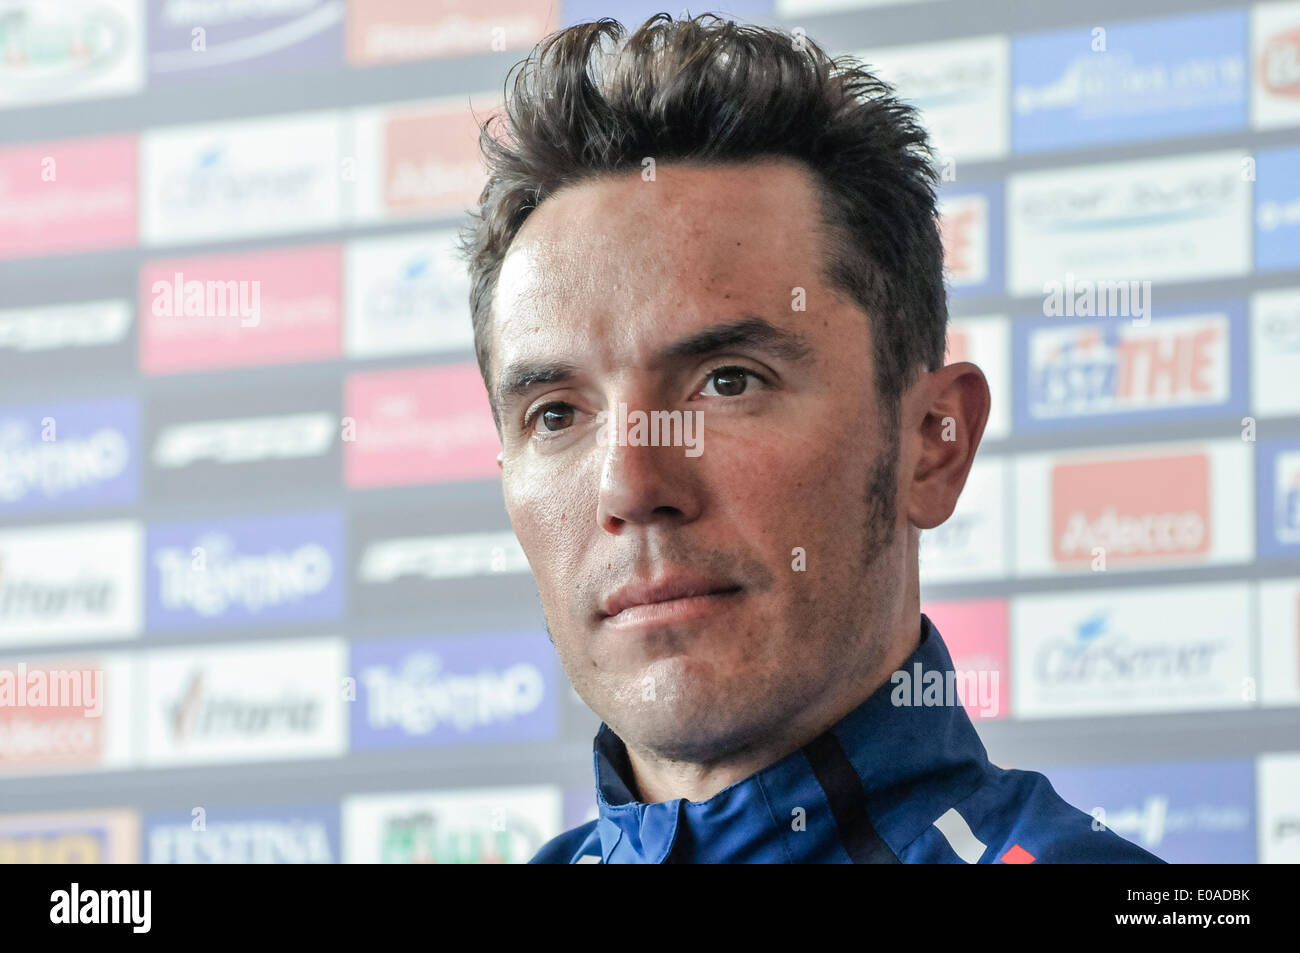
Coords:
887,784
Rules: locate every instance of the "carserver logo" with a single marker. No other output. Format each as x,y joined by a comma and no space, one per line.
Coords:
1132,650
223,181
407,295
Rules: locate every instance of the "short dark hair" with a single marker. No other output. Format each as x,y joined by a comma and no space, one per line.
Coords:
710,90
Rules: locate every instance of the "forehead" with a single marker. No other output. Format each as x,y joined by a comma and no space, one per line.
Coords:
620,261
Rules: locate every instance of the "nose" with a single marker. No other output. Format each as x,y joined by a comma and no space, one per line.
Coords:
642,485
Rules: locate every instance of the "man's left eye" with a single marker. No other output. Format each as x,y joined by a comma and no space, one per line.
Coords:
728,382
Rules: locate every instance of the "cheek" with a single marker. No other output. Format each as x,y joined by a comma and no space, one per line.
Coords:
791,489
551,510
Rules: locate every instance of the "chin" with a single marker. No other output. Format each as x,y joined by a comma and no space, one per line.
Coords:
698,724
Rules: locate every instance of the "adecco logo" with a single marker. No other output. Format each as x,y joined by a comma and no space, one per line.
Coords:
1137,509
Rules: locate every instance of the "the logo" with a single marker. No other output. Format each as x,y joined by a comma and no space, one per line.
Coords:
73,49
1183,812
1275,352
394,31
74,837
1275,45
249,309
1131,650
1095,371
474,689
230,180
71,454
976,635
406,295
1154,509
456,556
287,437
72,196
1286,499
421,425
70,582
970,543
280,835
1277,209
475,826
1154,78
260,569
30,331
268,701
420,159
1185,218
970,226
237,38
960,87
50,714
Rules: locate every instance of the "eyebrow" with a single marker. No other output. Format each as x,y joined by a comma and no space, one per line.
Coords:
751,333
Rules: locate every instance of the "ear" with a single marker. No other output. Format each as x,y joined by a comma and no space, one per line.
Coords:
953,409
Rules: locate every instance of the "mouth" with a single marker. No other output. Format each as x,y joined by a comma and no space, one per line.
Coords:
678,598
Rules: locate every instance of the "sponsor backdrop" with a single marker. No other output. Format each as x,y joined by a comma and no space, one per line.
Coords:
259,599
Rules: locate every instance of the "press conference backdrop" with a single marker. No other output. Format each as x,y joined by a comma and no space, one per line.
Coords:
268,538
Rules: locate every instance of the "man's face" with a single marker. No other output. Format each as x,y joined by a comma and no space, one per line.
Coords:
698,601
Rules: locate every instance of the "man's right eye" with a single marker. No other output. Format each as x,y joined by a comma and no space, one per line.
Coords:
555,416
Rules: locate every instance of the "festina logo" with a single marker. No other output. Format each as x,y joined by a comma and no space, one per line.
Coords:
102,906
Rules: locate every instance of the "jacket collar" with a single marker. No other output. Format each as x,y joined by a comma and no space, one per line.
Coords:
891,766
